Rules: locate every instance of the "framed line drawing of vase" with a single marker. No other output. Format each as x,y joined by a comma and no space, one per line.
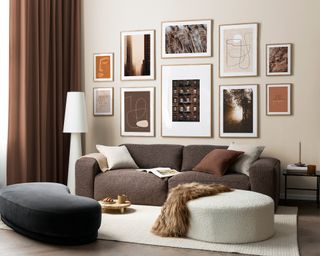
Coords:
238,50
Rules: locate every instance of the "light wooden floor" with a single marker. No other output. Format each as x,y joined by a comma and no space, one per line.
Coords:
13,244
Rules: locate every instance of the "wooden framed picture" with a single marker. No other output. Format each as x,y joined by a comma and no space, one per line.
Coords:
238,50
103,67
137,55
238,110
186,100
103,101
278,59
137,111
278,99
182,39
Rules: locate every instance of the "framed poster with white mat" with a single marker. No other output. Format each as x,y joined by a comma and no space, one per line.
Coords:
187,100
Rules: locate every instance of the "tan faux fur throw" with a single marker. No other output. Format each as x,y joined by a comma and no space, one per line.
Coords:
173,220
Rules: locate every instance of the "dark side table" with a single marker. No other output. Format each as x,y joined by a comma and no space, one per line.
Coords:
287,173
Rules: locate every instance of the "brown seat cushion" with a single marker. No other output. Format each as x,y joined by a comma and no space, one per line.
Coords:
140,187
233,180
156,155
217,161
193,154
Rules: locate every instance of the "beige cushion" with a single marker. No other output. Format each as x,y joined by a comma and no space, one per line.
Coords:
118,157
244,162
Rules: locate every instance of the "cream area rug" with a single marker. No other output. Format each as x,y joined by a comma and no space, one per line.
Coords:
134,227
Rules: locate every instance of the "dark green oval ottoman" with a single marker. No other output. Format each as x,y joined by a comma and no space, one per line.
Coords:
49,213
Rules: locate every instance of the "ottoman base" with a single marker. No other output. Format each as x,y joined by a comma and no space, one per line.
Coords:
52,239
239,216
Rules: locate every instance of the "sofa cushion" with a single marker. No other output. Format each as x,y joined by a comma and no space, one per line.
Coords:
118,157
193,154
217,161
140,187
233,180
244,162
156,155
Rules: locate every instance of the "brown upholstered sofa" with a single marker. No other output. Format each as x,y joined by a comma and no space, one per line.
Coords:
148,189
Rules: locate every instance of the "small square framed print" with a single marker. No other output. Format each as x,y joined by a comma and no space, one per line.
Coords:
103,67
278,59
278,99
103,101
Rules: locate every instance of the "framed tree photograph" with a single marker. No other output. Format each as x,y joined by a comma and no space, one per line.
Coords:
238,51
137,55
137,111
103,101
103,67
180,39
278,59
238,111
278,99
186,100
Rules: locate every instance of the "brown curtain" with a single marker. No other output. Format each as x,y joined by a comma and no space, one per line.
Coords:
44,66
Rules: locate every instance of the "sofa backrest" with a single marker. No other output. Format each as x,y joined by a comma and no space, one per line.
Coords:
193,154
156,155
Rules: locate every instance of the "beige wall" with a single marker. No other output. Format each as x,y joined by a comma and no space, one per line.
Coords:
281,21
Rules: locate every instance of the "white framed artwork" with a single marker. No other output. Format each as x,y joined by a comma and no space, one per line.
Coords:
187,100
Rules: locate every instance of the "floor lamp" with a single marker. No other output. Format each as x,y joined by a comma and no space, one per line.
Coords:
75,122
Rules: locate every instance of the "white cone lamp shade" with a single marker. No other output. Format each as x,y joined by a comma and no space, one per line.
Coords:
75,122
75,118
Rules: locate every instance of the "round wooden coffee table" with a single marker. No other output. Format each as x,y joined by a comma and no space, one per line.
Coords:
105,207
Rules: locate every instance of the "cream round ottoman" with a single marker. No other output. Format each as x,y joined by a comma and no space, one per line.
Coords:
239,216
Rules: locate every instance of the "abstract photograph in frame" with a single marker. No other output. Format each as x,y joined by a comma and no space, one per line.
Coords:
186,100
103,101
180,39
278,99
137,111
103,67
238,50
137,55
238,110
278,59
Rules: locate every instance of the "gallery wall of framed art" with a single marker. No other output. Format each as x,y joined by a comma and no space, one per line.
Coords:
104,21
186,89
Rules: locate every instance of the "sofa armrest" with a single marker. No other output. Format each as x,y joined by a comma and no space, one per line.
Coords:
86,170
264,176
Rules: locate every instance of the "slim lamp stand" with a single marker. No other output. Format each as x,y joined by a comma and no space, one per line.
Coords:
74,155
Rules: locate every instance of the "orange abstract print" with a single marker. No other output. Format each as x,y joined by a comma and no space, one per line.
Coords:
278,99
103,68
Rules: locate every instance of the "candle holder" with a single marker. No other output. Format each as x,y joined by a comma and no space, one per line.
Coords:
300,164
